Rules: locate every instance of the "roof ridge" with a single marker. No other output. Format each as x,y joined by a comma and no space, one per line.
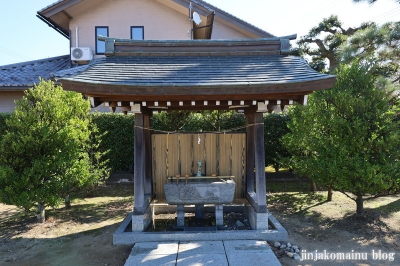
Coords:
34,61
202,3
51,5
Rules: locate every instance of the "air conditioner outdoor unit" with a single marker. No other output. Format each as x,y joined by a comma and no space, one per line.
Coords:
81,54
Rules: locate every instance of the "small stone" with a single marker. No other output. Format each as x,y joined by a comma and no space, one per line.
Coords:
277,244
282,246
239,223
245,220
290,254
297,250
289,245
295,247
291,250
296,256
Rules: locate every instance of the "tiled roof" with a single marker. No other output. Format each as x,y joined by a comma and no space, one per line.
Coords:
26,74
201,71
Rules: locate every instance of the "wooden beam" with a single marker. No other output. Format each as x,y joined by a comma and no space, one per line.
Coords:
103,97
216,92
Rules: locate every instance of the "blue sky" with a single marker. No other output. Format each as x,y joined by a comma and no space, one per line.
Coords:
24,37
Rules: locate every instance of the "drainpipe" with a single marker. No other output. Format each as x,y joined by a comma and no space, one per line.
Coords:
76,40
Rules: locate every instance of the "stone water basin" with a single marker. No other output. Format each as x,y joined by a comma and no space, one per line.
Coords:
207,191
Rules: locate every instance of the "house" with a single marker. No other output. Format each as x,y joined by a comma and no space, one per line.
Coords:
81,21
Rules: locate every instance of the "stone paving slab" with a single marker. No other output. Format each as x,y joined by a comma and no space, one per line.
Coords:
202,260
153,254
203,253
155,248
239,259
201,247
247,246
151,260
249,252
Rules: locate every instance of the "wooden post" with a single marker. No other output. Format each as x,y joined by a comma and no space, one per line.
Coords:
148,157
139,169
250,153
260,163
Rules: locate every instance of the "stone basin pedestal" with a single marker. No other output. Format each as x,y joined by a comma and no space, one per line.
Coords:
200,192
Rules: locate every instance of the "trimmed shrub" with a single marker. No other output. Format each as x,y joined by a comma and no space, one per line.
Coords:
275,127
3,126
117,131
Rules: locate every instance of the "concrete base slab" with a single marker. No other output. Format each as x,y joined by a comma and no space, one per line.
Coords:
125,236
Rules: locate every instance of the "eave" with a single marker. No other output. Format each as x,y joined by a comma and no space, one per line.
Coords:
195,74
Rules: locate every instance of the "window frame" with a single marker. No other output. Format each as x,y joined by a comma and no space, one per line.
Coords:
137,27
95,37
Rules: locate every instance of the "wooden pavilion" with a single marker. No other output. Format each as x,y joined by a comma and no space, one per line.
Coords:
253,75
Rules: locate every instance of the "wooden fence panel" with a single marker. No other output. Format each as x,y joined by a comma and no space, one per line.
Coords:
221,154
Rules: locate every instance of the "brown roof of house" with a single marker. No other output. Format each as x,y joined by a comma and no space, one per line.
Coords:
47,12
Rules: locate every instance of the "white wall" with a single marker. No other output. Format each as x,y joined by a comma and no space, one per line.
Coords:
7,99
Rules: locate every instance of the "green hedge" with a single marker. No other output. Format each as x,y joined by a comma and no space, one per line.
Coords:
275,127
3,126
117,132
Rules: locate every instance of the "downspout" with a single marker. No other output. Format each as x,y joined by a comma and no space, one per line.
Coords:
77,37
191,20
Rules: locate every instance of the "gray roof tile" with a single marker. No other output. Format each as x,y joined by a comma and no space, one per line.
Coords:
182,71
26,74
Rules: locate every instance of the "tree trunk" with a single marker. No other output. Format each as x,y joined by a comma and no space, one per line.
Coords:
330,193
40,214
67,202
313,186
360,205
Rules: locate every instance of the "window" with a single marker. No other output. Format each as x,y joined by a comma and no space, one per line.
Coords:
137,33
100,45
